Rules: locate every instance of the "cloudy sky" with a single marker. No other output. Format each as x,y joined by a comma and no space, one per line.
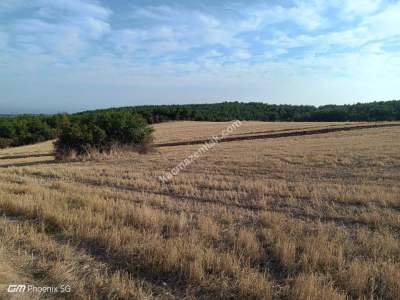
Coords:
71,55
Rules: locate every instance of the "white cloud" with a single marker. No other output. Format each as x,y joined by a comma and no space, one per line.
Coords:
176,30
256,50
360,7
373,48
379,27
307,15
386,23
241,55
77,8
61,28
8,6
161,40
191,25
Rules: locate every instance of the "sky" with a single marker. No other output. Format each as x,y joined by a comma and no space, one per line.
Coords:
73,55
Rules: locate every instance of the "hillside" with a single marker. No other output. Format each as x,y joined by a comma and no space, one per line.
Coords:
306,217
30,129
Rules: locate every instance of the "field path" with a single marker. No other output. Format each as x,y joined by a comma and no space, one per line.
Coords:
44,154
279,134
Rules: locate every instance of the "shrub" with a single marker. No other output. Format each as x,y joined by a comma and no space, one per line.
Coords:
4,142
102,132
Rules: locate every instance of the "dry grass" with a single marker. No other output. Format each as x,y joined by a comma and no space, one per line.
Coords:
9,274
190,130
28,149
314,217
26,155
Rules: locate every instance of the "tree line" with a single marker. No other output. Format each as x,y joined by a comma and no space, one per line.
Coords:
226,111
28,129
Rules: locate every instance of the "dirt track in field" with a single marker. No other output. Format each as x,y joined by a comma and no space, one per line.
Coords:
274,134
279,134
27,155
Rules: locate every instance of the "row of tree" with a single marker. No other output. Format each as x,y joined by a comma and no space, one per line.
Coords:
27,129
375,111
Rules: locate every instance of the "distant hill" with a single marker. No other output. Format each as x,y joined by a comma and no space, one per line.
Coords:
28,129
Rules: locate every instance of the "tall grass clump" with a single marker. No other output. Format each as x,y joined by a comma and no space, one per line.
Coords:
103,132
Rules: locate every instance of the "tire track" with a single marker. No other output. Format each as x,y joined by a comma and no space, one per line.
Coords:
278,135
27,155
241,137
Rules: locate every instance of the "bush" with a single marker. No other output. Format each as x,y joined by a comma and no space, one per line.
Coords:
4,142
103,132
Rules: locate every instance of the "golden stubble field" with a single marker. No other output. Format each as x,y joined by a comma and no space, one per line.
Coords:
312,217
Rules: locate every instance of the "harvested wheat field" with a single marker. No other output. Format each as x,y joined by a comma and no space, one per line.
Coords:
180,131
299,217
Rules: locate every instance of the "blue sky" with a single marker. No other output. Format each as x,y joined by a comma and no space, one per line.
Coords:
71,55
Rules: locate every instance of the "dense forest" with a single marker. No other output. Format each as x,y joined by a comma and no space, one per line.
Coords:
226,111
28,129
